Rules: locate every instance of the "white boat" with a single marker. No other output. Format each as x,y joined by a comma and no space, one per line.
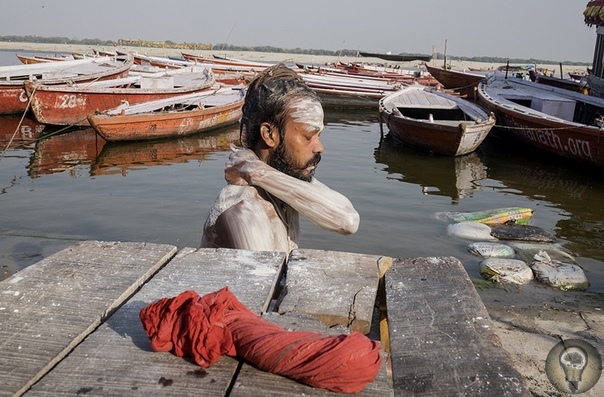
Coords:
431,120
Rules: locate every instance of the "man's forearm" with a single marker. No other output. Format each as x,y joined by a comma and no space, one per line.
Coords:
320,204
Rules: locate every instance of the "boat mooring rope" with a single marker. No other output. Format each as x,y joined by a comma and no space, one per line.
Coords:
18,125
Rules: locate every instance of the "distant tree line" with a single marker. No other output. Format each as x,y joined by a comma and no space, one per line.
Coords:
511,60
56,40
229,47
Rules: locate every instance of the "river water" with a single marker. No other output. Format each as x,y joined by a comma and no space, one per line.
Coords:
73,186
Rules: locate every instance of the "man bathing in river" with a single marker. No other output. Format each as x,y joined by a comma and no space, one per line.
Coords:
271,181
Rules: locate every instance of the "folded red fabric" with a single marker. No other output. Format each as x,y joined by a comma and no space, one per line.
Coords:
205,328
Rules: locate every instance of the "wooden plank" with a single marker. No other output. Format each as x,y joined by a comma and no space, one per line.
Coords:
252,382
335,287
116,360
51,306
441,339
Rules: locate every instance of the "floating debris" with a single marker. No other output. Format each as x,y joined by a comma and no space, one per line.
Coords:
499,216
527,251
562,275
500,270
523,233
470,230
491,250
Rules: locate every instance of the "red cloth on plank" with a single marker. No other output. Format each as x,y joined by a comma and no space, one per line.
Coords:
207,327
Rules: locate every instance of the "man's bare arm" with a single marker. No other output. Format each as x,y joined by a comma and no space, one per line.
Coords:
323,206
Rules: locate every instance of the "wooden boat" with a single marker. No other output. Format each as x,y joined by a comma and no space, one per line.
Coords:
567,84
13,98
576,76
28,59
349,91
110,53
368,71
228,62
566,123
71,104
461,82
172,117
397,58
434,121
161,62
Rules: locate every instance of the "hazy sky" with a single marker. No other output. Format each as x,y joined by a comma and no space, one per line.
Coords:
540,29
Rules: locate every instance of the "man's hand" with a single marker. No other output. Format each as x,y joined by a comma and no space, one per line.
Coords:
239,166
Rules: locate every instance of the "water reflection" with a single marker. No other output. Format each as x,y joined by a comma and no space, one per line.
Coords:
578,196
120,158
64,152
19,133
68,151
358,117
451,176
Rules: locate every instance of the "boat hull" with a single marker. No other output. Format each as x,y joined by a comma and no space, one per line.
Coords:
64,105
14,99
566,139
164,125
440,134
464,83
435,138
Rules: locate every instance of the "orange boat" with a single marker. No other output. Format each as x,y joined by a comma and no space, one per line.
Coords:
71,104
26,59
13,98
172,117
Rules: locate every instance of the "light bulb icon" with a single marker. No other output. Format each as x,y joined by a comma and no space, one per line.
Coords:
573,360
573,366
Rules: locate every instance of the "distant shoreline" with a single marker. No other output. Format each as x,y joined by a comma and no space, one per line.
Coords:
260,56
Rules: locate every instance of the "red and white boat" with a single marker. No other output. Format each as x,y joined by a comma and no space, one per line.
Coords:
13,98
228,62
71,104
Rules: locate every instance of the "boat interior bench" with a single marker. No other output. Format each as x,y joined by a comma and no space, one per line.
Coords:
69,324
454,114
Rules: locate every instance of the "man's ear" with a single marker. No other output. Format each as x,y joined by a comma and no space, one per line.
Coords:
269,135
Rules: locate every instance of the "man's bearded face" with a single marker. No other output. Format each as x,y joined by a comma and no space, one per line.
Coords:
283,160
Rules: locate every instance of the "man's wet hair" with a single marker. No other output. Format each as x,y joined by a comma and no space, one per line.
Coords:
266,100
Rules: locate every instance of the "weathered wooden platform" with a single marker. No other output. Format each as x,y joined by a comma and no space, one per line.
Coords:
69,325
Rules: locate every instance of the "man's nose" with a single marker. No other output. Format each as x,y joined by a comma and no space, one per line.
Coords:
318,148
